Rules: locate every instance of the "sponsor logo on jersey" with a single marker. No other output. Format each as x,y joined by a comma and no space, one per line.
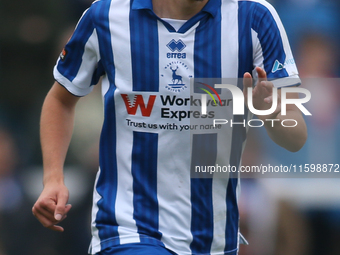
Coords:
138,102
279,66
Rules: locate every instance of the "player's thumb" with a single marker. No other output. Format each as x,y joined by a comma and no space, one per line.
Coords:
60,209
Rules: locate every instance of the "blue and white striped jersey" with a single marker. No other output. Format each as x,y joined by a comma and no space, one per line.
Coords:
143,190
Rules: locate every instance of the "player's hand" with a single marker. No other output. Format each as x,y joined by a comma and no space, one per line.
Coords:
262,93
51,207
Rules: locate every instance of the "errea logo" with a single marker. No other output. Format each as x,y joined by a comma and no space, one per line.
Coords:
176,47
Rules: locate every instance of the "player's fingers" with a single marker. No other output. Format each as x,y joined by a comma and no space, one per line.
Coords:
266,88
268,100
48,213
47,219
60,209
56,228
45,207
67,208
267,84
247,79
46,204
44,217
261,73
39,211
247,82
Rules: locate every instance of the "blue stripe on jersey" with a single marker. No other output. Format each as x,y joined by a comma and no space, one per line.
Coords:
231,233
104,39
207,58
270,39
105,219
100,71
207,61
204,153
238,137
70,65
144,49
144,172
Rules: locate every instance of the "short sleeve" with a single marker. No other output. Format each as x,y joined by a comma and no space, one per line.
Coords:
271,49
79,66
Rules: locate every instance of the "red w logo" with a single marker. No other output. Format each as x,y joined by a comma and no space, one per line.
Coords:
139,101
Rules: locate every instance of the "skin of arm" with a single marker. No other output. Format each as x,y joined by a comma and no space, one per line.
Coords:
290,138
56,127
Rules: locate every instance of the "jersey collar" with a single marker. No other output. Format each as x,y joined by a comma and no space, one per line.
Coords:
211,7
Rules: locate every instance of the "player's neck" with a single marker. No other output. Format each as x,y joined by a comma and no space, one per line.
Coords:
177,9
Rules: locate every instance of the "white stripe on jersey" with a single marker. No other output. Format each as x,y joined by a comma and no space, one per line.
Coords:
119,22
174,220
229,62
120,27
220,220
95,242
229,36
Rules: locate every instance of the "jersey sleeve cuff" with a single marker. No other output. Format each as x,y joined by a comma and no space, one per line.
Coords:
290,81
71,87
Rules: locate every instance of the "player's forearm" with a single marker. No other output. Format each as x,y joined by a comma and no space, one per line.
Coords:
290,138
56,128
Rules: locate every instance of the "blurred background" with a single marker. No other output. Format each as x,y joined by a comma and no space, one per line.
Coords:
278,216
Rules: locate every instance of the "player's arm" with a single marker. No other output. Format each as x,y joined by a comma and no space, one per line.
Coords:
290,138
56,126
